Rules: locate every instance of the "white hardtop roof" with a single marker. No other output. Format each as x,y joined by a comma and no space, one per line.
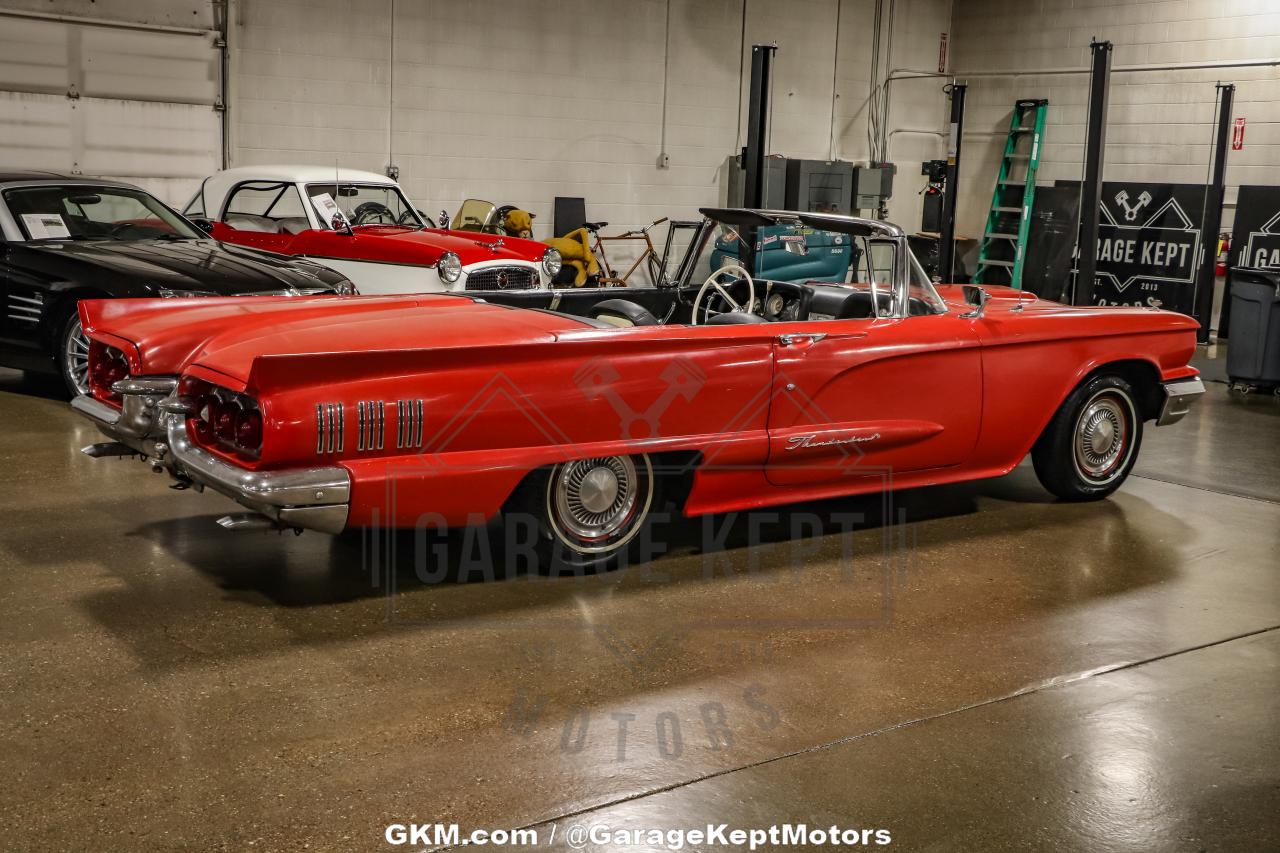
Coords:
217,185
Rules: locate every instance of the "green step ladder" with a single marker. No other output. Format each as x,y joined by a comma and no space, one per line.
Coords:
1004,240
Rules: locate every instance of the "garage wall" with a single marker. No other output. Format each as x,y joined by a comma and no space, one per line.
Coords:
1160,122
520,103
116,88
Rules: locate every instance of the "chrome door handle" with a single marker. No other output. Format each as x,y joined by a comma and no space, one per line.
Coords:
789,339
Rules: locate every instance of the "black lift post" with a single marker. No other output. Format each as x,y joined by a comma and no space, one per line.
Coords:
757,139
1094,151
1214,195
947,233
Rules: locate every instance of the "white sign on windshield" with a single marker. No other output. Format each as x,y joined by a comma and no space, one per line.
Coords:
45,226
330,214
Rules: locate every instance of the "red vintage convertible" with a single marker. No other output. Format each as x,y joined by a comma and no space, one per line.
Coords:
724,392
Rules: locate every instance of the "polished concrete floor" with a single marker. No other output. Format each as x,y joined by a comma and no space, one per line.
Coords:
972,667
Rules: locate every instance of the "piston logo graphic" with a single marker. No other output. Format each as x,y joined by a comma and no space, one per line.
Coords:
598,379
1131,213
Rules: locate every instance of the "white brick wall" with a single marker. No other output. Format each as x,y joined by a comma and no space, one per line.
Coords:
1160,122
521,102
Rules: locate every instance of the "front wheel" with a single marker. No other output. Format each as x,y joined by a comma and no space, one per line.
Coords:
591,514
72,351
1092,443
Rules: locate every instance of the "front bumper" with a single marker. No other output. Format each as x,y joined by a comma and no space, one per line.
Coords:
1178,397
310,498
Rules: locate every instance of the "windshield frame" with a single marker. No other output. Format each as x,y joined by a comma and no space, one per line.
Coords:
904,265
309,189
182,227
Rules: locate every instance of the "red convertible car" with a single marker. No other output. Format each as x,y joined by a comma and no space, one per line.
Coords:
725,392
361,224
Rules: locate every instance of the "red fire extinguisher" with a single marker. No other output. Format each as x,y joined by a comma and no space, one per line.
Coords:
1224,249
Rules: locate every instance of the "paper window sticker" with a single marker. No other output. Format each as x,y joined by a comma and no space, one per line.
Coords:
328,209
45,226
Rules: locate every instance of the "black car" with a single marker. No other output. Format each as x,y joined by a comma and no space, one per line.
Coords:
67,239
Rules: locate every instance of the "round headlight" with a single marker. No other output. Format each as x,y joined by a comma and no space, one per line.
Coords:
449,267
551,263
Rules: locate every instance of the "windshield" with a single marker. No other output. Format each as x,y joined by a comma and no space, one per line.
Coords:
474,215
94,213
794,252
362,204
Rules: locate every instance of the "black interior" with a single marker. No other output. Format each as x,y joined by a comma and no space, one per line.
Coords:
776,301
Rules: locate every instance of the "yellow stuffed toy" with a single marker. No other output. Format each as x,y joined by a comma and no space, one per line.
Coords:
574,247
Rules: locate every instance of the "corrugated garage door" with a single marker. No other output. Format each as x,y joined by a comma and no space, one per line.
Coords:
111,100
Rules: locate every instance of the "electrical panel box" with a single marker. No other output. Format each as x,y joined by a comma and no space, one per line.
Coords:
820,186
775,183
873,184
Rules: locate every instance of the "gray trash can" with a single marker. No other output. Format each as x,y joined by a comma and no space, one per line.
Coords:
1253,355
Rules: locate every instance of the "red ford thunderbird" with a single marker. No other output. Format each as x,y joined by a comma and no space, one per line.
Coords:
361,224
724,392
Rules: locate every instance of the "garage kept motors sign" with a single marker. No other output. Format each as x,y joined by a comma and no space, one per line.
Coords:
1150,237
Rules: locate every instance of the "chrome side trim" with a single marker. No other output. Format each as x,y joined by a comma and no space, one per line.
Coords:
331,428
1179,395
408,423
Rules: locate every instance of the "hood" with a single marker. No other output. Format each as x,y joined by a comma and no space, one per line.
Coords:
263,341
201,265
426,245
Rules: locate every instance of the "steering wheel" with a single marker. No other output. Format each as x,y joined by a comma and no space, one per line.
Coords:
371,210
720,291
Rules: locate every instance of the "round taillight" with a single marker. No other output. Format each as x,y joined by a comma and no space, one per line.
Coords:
224,423
249,430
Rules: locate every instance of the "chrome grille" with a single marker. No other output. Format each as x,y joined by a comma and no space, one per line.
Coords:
408,423
502,278
371,424
330,427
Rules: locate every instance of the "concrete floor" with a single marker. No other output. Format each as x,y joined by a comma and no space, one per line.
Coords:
972,667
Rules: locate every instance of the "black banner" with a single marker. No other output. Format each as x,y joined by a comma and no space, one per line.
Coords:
1255,236
1255,239
1150,239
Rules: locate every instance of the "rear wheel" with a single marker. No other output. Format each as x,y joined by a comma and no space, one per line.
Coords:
72,350
1091,444
591,514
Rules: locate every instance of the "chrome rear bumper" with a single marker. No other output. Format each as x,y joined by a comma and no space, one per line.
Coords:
1178,397
311,498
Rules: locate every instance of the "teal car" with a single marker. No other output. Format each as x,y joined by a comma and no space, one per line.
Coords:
791,253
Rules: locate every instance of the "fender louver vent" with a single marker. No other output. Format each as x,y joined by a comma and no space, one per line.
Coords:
330,427
408,423
371,416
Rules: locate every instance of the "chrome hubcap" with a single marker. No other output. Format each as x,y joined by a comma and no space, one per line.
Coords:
75,356
595,503
1102,437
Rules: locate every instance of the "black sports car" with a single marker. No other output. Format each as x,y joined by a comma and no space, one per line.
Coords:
67,239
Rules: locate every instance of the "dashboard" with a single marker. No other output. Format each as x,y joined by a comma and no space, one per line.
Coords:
784,301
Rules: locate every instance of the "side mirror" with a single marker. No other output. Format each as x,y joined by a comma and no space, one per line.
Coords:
205,225
444,219
978,298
